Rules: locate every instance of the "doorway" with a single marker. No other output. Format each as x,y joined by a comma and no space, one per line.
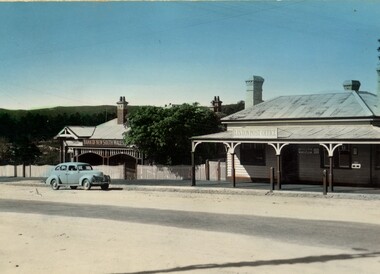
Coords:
290,164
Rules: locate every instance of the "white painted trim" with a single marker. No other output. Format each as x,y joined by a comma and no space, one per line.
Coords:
278,147
331,148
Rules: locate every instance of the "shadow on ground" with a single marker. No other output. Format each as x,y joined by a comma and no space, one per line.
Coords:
301,260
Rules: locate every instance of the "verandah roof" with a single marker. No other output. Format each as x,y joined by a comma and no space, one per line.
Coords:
297,134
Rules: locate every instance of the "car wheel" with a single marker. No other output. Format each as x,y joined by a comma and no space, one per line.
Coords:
73,187
86,184
54,184
105,186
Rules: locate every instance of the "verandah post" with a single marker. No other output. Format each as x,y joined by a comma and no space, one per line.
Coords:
278,187
331,175
233,169
192,169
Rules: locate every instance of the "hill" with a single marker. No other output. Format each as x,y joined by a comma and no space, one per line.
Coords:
51,112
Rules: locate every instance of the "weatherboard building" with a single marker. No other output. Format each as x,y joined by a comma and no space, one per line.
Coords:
102,144
302,136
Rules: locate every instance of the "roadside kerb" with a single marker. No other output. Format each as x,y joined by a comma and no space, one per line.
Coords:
220,190
258,192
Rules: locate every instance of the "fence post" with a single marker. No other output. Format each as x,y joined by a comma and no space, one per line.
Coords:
218,170
193,179
15,171
324,182
23,170
207,170
271,178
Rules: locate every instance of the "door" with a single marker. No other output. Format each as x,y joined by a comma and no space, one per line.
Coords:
72,175
290,164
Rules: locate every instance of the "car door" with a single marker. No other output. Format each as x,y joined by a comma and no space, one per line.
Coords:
73,174
62,174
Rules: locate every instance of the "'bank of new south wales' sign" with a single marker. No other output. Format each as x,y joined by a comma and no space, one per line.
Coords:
255,133
104,142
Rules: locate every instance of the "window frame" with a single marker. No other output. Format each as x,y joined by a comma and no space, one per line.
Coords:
249,154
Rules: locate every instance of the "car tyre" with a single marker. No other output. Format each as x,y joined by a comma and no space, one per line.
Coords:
73,187
86,184
54,184
105,186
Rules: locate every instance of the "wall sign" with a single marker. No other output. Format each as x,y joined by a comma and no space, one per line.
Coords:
255,133
104,142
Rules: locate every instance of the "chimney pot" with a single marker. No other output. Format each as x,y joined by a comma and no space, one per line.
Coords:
351,85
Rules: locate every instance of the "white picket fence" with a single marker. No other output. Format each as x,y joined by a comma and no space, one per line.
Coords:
217,171
116,172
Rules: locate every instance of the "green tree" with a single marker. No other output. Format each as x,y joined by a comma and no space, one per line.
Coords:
232,108
5,152
163,134
25,152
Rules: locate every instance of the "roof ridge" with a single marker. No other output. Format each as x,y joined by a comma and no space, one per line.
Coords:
362,103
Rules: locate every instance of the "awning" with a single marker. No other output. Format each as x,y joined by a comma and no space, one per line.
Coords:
297,134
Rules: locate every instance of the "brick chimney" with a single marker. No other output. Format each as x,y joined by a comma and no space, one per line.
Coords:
122,110
216,104
351,85
254,94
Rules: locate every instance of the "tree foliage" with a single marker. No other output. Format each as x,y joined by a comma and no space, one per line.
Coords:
24,135
163,134
230,109
5,151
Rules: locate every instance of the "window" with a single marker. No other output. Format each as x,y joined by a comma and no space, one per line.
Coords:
72,168
252,154
84,167
342,157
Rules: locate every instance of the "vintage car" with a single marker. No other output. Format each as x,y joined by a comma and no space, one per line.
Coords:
74,174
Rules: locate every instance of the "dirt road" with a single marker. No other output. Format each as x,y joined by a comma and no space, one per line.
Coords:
36,242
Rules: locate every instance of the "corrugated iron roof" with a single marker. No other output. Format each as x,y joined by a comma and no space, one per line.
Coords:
75,132
300,133
317,106
109,130
82,131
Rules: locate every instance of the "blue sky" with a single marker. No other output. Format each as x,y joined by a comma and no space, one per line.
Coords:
156,53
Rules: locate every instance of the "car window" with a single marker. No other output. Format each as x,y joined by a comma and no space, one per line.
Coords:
58,168
72,167
85,167
63,167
